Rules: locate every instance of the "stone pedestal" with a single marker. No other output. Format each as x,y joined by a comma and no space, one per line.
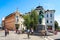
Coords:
40,27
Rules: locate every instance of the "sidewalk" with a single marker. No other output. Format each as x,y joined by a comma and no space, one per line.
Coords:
13,36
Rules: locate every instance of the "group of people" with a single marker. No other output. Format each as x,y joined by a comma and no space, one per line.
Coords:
29,31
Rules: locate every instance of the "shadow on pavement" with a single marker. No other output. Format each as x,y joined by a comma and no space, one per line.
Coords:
26,38
2,36
38,34
57,39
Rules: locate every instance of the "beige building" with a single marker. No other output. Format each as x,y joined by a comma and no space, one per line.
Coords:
12,20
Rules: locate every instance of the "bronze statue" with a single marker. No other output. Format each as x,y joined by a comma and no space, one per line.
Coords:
41,16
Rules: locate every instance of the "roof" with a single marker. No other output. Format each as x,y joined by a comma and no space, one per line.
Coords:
13,14
10,15
49,11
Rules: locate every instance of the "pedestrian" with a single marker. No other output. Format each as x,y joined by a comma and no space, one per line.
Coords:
23,30
32,31
28,32
5,32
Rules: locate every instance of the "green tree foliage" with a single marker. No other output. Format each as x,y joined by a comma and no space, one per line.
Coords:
56,25
34,17
27,20
31,19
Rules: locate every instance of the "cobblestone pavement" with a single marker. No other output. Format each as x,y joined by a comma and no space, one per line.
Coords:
56,36
13,36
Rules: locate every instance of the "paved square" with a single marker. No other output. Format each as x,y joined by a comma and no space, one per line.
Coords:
13,36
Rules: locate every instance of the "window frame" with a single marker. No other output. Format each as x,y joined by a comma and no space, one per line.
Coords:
50,15
47,21
50,21
47,15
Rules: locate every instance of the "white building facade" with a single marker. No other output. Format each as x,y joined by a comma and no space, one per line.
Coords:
48,19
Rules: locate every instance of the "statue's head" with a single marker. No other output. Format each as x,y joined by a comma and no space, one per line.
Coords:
41,12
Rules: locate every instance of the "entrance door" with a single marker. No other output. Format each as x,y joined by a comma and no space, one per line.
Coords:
49,27
17,26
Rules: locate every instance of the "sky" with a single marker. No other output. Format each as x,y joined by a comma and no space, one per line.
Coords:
9,6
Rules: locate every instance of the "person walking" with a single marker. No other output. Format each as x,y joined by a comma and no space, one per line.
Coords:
5,32
32,31
28,32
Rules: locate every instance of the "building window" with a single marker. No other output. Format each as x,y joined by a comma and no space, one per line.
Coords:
50,15
47,15
47,21
17,17
17,20
50,21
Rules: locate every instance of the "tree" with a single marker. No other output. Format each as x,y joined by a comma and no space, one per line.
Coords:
34,19
56,25
27,20
31,19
